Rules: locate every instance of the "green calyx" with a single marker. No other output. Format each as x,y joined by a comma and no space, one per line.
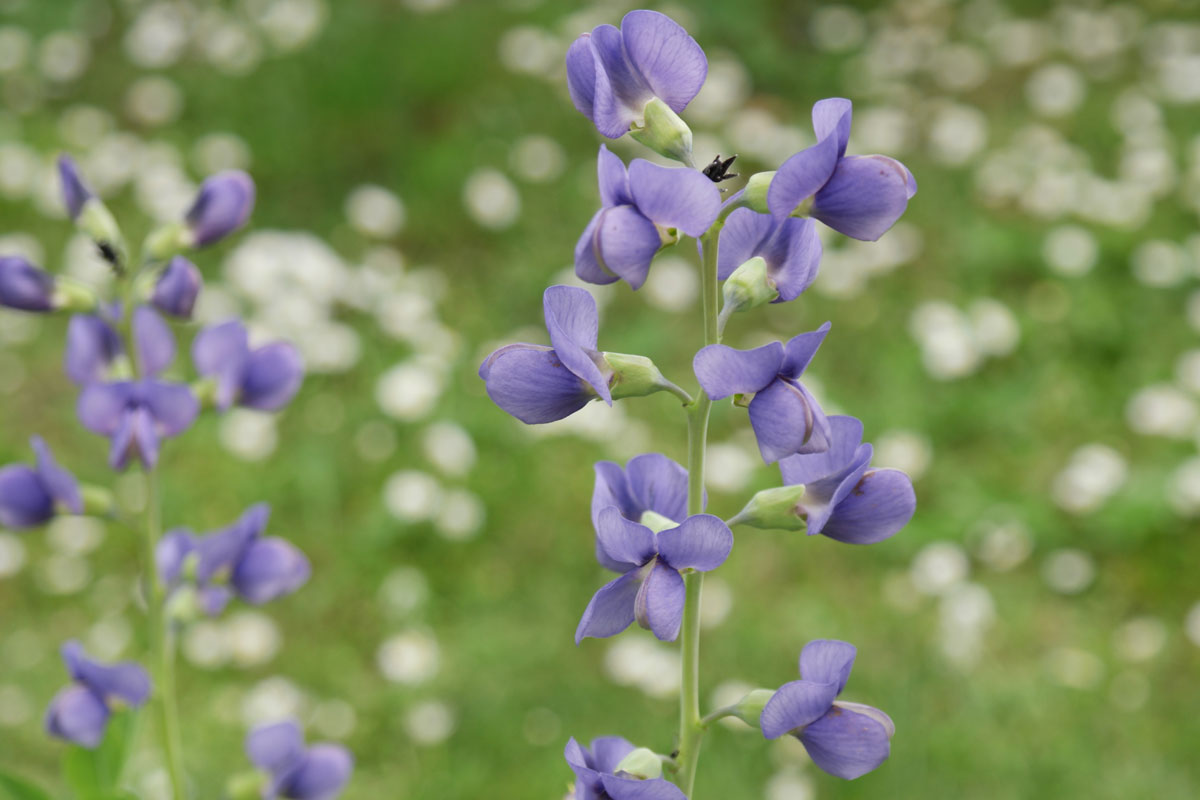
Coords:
664,132
755,196
749,709
748,287
635,376
774,509
167,241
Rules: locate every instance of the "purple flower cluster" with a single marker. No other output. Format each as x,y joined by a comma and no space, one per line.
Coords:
120,352
648,517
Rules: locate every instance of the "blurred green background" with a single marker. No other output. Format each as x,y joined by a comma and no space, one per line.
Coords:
1024,343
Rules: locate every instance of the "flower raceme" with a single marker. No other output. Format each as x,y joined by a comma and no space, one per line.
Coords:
844,739
80,712
784,415
237,560
137,415
860,196
601,772
30,497
296,772
644,208
651,588
615,74
264,378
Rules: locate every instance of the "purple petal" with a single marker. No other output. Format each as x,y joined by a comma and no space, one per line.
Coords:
24,499
612,489
145,440
92,345
744,231
675,197
611,608
126,680
795,705
724,371
613,179
220,550
616,106
587,255
101,406
702,542
530,383
619,788
77,715
607,752
320,775
845,435
659,604
587,779
269,568
573,323
624,542
581,74
846,744
276,746
220,351
172,550
625,243
214,599
799,351
827,661
122,442
879,505
24,286
658,484
172,405
177,288
576,755
831,118
272,376
787,419
58,482
222,205
793,256
822,498
801,177
74,192
153,341
865,196
668,58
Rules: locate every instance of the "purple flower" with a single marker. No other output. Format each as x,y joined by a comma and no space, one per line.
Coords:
236,559
641,206
596,776
785,416
789,246
177,288
24,286
265,378
136,415
221,207
860,196
612,74
92,346
30,497
650,589
79,713
539,384
844,739
75,193
845,499
319,772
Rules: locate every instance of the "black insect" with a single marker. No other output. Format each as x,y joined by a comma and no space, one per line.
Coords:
718,170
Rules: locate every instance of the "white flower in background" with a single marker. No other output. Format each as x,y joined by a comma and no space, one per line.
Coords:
410,658
1068,571
1094,473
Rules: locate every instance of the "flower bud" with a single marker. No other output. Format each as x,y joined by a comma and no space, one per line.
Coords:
749,709
748,287
75,193
222,205
777,508
634,376
664,132
642,763
177,288
755,196
24,286
89,214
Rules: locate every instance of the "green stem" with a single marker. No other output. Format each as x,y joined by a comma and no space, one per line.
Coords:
720,713
690,726
162,646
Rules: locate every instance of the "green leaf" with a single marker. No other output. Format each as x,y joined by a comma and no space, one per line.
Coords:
15,788
95,774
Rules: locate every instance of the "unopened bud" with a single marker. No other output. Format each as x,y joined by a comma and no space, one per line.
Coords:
641,763
755,196
777,509
664,132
